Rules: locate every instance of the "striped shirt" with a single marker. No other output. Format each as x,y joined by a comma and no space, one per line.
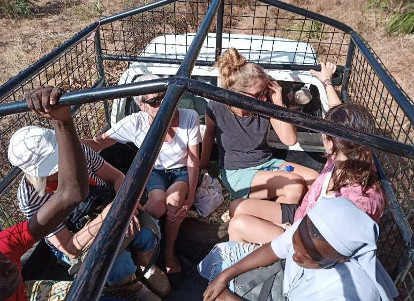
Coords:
30,201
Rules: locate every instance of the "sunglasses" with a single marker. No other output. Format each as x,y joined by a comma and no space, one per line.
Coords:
258,95
155,101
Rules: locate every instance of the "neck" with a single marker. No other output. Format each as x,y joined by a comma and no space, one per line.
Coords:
240,112
339,159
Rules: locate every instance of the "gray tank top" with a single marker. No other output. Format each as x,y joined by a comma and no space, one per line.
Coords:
241,140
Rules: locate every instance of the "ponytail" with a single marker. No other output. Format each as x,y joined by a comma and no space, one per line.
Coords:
236,73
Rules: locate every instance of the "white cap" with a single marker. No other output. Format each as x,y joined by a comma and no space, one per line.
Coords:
34,150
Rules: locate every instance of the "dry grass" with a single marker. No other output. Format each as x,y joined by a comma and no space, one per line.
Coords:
396,52
24,41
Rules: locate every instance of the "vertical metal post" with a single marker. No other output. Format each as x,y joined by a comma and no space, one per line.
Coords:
347,71
219,30
101,70
189,60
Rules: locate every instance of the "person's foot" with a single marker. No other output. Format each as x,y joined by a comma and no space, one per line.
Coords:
174,271
158,281
172,264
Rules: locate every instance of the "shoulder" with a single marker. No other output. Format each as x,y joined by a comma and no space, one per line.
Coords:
371,201
89,152
132,119
188,115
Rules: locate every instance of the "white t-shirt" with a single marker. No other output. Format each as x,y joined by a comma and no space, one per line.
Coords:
173,154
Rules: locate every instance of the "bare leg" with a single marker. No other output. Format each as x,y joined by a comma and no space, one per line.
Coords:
176,194
267,210
288,187
156,204
307,173
247,228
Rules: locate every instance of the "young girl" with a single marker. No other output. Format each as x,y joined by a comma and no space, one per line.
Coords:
349,172
244,156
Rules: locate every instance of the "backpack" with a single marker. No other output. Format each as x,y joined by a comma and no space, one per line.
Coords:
261,284
98,198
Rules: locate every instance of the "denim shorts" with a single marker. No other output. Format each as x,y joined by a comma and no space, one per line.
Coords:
239,181
162,179
222,256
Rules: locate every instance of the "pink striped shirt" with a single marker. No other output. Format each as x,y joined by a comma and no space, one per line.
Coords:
372,202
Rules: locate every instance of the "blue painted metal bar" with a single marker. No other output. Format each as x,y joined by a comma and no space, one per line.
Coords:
190,58
22,77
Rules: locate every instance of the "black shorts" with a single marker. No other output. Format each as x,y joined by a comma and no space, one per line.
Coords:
288,212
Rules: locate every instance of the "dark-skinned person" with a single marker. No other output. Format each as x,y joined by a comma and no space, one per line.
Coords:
34,150
72,189
330,255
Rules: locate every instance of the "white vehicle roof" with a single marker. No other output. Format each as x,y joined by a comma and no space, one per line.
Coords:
261,49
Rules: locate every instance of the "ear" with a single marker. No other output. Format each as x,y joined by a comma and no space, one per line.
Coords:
329,146
142,106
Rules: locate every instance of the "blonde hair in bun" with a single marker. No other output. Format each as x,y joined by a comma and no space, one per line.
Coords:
236,73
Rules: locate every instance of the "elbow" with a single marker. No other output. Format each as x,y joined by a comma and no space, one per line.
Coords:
291,141
74,196
81,192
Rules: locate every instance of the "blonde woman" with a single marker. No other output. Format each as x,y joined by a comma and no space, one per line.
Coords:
245,158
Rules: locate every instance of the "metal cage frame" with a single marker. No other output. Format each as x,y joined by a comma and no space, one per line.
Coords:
82,63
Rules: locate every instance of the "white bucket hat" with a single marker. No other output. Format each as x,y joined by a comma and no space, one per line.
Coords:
34,150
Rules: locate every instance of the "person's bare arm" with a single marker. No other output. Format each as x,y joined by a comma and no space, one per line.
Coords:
208,142
111,175
261,257
325,76
193,166
285,131
99,142
72,176
73,244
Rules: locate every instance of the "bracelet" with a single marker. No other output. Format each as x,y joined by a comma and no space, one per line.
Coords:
326,82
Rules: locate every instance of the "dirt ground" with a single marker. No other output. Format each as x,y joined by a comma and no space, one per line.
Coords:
23,41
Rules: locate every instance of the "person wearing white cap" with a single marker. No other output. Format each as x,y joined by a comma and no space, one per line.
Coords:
330,254
72,189
172,183
35,151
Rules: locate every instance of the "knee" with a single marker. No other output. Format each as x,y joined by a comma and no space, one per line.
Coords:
294,193
236,226
234,205
156,207
175,200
